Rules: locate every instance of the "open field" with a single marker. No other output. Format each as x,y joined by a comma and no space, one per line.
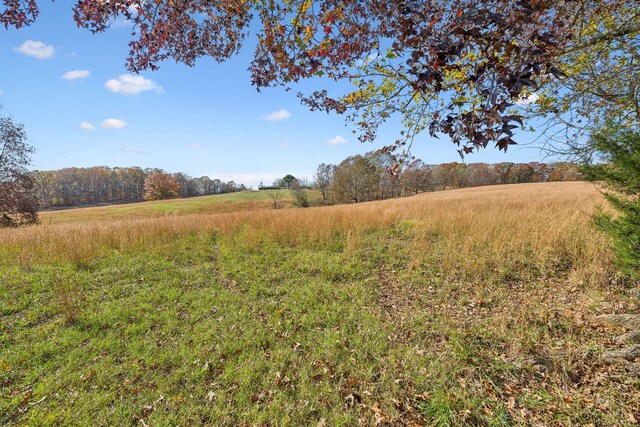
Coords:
466,307
220,203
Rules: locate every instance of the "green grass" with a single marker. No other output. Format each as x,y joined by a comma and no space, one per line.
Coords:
215,331
219,203
218,333
368,326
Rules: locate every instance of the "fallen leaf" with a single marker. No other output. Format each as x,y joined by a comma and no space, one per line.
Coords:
352,400
85,378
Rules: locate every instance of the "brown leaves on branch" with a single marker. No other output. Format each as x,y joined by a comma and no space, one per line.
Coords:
18,13
183,30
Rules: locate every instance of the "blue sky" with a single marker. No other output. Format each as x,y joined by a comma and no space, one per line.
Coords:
81,107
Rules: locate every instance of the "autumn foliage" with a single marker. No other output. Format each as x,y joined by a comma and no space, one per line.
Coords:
102,184
161,186
462,68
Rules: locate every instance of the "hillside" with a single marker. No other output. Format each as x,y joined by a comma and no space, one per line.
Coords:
219,203
466,307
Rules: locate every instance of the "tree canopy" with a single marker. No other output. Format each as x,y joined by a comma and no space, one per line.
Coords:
18,203
468,69
161,186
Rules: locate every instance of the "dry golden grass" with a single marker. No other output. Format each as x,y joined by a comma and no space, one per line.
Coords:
466,307
472,229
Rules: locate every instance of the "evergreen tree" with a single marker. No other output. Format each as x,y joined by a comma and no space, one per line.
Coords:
620,175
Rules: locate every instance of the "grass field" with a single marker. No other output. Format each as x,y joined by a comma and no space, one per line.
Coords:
466,307
220,203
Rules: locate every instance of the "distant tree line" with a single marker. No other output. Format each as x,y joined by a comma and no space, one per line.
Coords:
377,175
102,184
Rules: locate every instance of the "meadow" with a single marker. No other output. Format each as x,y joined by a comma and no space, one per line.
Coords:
221,203
465,307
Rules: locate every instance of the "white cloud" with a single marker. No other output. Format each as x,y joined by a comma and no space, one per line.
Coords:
36,49
366,61
113,124
284,145
87,126
337,140
196,146
133,150
121,23
1,92
76,74
128,84
277,116
530,99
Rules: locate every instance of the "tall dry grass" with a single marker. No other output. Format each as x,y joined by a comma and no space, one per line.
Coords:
469,232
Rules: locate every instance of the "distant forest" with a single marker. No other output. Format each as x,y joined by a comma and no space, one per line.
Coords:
359,178
104,185
377,175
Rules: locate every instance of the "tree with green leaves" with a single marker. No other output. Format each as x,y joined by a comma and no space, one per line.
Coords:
619,173
287,180
18,201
